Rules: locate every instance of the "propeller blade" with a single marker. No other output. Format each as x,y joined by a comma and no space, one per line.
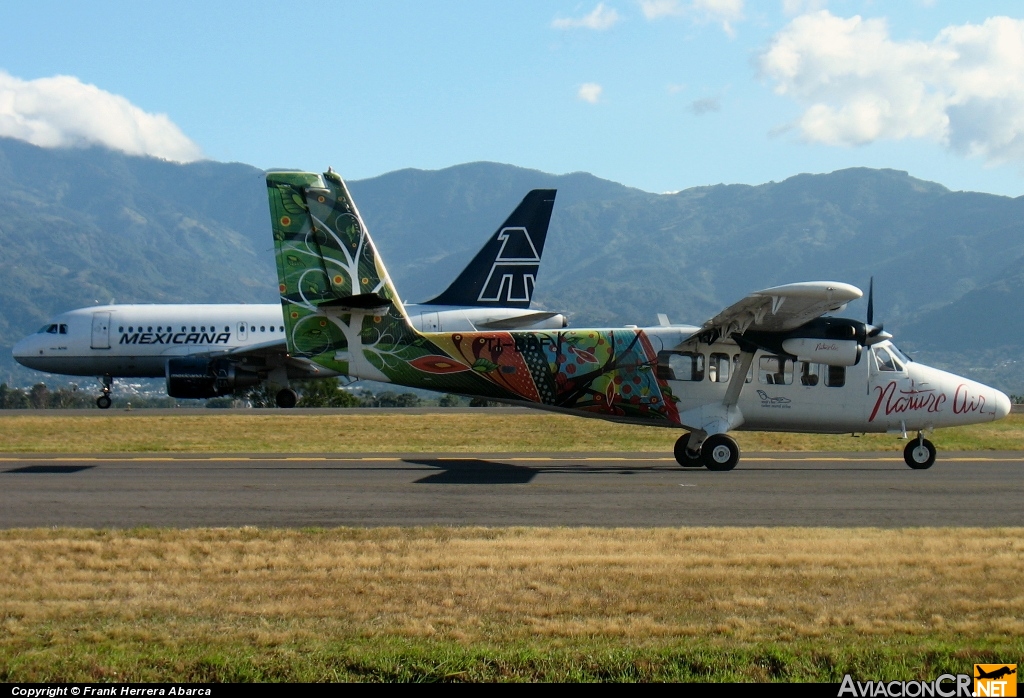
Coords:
871,300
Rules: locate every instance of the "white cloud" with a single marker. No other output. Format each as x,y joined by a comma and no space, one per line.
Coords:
725,11
964,89
600,19
590,92
62,111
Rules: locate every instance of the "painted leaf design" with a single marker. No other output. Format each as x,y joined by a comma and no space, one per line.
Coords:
483,365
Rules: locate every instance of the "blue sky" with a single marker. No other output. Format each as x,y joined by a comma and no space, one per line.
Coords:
656,94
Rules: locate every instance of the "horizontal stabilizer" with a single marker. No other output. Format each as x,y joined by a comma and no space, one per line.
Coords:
515,323
364,302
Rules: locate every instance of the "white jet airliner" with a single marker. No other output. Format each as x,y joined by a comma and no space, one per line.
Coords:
206,350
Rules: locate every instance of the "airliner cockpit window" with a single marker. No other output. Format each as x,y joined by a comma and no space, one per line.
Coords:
63,328
49,329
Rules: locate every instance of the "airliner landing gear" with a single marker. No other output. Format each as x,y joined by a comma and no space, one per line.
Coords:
718,452
683,457
104,401
286,398
919,453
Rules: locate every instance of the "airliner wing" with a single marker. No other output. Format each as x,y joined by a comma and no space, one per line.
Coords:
273,352
780,308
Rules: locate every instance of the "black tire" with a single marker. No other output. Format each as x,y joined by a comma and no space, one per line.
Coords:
682,457
104,402
286,398
720,453
919,454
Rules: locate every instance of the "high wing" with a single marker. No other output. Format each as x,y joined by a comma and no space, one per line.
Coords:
779,309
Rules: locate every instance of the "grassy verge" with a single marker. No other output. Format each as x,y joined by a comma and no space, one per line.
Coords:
430,433
507,604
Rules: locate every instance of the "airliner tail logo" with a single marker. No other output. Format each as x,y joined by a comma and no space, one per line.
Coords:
514,272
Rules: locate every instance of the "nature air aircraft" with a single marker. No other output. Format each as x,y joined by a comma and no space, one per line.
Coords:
772,362
210,350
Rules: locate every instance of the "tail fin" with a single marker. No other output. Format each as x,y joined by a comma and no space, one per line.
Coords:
504,272
334,287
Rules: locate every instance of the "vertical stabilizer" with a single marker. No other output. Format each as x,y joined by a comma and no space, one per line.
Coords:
504,273
335,291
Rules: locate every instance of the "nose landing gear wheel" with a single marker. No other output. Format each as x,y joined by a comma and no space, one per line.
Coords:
720,452
103,402
919,454
683,456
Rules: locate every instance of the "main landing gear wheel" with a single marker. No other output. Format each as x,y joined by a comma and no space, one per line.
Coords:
286,398
683,457
720,452
919,454
103,401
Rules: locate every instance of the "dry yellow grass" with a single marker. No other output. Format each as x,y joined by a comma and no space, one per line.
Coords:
499,585
481,431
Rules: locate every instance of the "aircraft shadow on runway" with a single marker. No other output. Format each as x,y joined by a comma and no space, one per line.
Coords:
474,471
48,469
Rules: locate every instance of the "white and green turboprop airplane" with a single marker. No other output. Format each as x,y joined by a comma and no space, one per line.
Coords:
206,350
773,361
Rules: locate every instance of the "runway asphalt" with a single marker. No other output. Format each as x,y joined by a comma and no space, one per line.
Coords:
794,489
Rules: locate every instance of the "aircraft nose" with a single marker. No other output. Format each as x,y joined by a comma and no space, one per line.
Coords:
21,350
1002,405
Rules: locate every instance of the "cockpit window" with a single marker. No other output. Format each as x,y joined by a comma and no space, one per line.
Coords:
63,328
903,358
49,329
886,361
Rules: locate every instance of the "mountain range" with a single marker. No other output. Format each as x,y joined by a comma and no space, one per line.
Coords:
85,226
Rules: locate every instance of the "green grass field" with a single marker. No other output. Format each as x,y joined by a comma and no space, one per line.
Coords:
510,604
436,432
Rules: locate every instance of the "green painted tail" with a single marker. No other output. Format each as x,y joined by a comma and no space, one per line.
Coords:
335,291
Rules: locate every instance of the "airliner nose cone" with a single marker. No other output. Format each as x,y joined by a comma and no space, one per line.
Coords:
20,350
1002,405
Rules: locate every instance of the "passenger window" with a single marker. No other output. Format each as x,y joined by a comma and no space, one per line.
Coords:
263,328
193,328
681,366
775,370
718,368
836,376
809,373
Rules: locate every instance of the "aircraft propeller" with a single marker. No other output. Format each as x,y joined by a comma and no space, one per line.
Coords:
873,333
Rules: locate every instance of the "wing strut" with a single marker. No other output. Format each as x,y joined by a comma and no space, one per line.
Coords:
732,393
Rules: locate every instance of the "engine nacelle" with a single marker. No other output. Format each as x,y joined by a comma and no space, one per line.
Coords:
197,378
834,352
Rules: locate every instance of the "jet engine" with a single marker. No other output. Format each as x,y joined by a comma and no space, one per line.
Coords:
196,378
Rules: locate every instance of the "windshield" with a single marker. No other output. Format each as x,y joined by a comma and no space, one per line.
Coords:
899,354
